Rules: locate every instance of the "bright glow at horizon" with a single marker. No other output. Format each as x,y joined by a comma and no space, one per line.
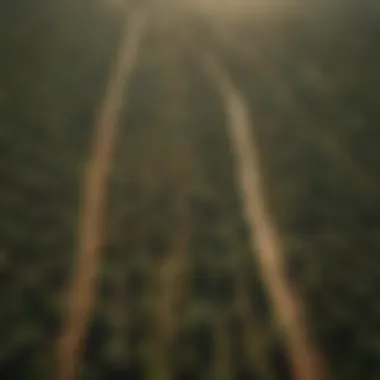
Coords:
240,7
224,10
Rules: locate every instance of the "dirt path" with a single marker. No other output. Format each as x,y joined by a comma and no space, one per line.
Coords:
81,296
305,360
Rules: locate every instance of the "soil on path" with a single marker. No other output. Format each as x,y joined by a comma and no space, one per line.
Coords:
91,231
305,360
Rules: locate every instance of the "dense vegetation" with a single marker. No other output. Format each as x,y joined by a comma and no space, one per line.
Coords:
312,87
179,292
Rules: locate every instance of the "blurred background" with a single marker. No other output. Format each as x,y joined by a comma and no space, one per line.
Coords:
179,294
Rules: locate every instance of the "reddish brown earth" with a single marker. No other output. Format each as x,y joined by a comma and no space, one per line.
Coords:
305,359
91,232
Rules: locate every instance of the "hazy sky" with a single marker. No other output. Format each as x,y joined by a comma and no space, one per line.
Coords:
244,7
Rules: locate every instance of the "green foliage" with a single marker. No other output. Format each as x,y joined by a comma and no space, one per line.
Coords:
314,99
313,93
53,73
